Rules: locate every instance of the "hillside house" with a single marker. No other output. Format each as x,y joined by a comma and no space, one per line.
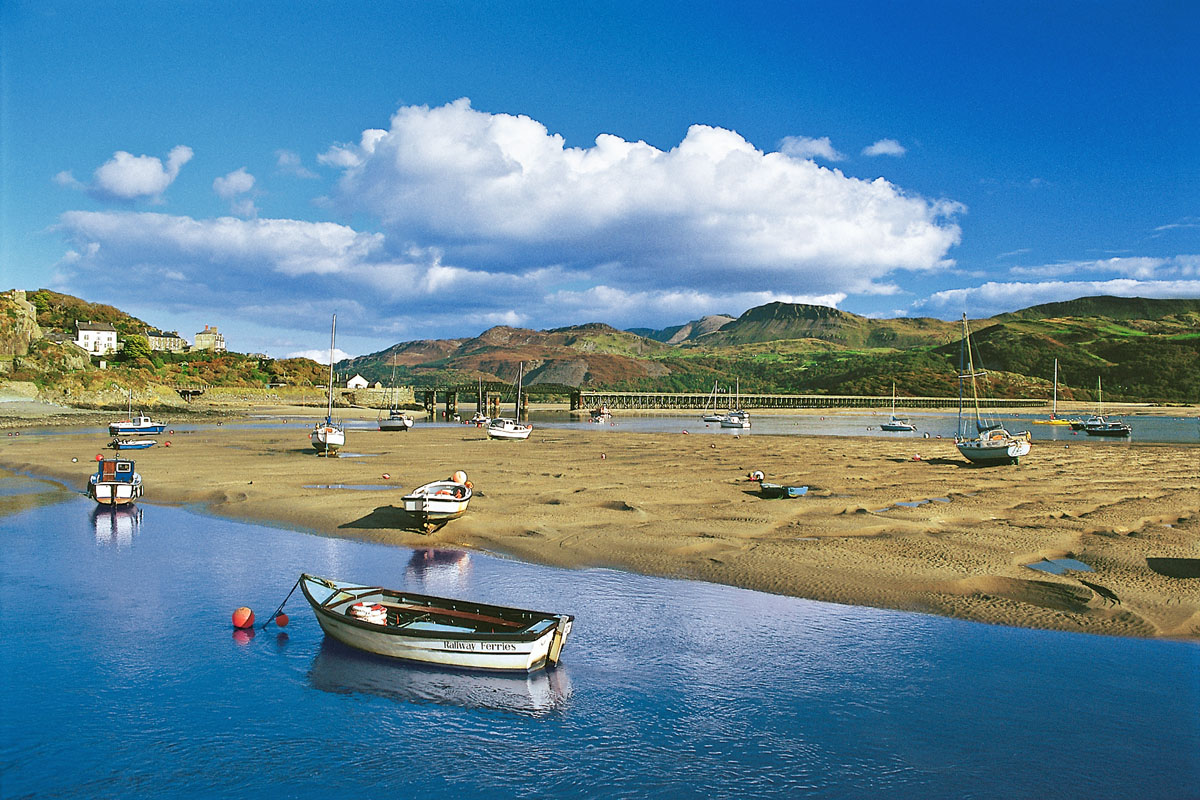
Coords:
170,342
210,339
98,338
357,382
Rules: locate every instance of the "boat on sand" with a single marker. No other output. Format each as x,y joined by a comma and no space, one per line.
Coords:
991,444
436,630
437,503
327,436
115,482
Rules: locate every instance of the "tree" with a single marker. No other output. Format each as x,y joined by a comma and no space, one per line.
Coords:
136,347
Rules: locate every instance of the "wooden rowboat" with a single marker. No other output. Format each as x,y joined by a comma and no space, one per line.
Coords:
435,504
436,630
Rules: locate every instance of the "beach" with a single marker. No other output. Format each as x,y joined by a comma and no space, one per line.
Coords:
892,524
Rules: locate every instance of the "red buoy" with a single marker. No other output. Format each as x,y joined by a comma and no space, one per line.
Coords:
243,618
99,456
281,620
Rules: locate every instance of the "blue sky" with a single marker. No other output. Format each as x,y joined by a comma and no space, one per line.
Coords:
428,170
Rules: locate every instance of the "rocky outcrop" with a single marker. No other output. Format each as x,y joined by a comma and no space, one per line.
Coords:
18,324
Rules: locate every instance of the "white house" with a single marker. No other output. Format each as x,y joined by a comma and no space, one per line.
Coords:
357,382
98,338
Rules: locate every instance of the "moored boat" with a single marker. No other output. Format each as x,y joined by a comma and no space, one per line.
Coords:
135,425
436,630
511,428
1107,427
396,420
736,419
132,444
440,501
115,482
991,444
896,423
327,436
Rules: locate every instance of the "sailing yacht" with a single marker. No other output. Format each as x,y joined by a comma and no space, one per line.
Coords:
896,423
505,428
327,436
1054,420
991,444
396,420
737,418
710,407
1100,425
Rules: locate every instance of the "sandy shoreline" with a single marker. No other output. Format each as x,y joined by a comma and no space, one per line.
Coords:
680,506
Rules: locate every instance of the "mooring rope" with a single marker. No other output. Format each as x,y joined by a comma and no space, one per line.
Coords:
281,605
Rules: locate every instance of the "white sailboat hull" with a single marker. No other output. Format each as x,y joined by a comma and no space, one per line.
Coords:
327,438
1003,449
508,429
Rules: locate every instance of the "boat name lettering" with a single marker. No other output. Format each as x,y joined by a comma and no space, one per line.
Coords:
484,646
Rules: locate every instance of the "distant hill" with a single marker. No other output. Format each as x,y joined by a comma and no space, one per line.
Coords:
686,332
777,321
1104,306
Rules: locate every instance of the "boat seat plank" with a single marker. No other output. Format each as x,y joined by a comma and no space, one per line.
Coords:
449,612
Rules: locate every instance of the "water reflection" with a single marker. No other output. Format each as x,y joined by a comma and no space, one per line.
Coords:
342,670
115,526
439,572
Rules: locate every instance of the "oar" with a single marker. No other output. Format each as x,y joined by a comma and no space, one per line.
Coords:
281,605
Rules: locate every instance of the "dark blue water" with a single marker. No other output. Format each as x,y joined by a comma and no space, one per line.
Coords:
123,678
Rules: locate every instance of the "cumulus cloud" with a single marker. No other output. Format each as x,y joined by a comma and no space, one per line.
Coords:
501,190
885,147
804,147
997,297
289,163
231,187
320,356
1139,267
128,177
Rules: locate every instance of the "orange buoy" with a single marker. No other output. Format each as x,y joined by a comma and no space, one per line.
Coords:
167,443
460,477
281,620
243,618
468,484
99,456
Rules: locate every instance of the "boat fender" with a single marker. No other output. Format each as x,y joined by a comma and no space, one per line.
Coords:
757,475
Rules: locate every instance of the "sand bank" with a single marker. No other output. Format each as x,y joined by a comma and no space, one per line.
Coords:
877,527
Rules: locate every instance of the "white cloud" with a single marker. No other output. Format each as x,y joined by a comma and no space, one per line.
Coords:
65,178
1139,267
320,356
129,177
885,147
289,163
501,190
237,182
995,298
230,187
804,147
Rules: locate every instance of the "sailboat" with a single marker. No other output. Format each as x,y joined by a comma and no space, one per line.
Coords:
505,428
896,423
1100,425
396,420
327,437
710,407
991,444
736,418
1054,420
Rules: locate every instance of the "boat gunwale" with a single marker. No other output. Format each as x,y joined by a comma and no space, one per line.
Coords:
522,635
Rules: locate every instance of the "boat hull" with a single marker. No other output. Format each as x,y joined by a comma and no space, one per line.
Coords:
508,429
115,493
897,426
993,452
537,643
121,429
327,438
395,424
438,501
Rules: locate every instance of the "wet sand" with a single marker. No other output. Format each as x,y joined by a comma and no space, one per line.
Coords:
681,506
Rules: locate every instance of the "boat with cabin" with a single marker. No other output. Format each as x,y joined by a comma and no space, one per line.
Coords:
115,482
396,419
511,428
991,444
1100,425
736,418
328,436
140,425
896,423
436,630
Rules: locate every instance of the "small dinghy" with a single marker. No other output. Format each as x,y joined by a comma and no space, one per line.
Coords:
775,490
436,630
439,502
132,444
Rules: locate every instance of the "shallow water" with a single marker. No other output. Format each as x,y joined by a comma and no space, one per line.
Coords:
124,678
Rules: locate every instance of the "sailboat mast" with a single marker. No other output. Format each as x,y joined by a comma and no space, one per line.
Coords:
520,375
1054,408
332,333
962,363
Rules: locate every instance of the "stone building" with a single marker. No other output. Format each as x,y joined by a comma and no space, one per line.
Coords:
171,342
209,339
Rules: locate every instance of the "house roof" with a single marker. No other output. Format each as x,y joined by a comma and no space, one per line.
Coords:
94,326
